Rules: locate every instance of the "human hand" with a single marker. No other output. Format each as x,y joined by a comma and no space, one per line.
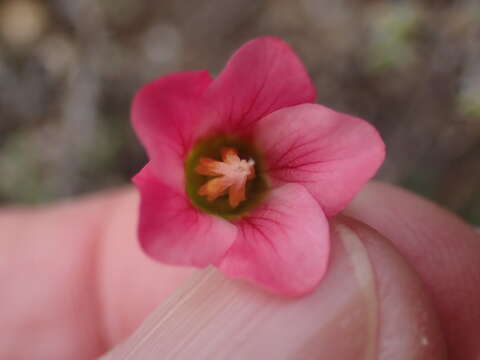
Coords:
75,284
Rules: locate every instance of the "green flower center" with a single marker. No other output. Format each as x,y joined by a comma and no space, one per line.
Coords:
225,176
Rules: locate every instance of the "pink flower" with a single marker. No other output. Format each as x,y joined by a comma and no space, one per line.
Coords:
244,169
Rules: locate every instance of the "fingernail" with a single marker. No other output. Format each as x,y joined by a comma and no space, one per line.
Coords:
218,318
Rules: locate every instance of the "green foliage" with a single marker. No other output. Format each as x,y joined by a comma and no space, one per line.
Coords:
392,44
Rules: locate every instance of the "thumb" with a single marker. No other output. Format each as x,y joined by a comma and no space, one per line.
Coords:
371,305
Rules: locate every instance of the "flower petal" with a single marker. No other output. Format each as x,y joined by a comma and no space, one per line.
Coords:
332,154
284,245
262,76
165,115
172,231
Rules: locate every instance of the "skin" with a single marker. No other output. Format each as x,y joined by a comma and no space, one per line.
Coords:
75,284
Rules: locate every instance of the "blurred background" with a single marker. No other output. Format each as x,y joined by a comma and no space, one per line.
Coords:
69,69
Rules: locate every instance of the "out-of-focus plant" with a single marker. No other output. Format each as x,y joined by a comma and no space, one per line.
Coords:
392,31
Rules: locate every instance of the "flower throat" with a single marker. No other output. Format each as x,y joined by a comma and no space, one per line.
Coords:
224,176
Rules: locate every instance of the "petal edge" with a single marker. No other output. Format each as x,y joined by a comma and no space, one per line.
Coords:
172,231
165,116
262,76
284,244
332,154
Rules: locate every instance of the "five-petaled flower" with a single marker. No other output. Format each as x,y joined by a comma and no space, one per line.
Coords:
245,169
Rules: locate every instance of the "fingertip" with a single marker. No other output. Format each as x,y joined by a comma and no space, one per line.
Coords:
443,250
409,327
370,305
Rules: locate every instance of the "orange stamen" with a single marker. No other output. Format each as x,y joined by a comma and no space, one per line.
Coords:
230,174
